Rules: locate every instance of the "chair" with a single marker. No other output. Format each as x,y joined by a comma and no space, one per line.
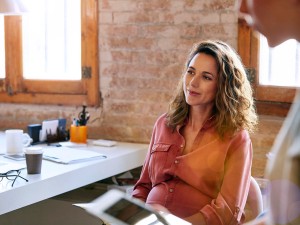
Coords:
254,204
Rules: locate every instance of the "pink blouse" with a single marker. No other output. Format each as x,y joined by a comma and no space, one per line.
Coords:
213,179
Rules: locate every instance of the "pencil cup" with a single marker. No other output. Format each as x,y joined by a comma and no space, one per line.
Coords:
78,134
34,156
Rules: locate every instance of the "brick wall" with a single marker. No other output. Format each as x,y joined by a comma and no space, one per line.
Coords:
142,46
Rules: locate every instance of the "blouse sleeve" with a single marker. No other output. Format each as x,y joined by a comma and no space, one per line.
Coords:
143,186
229,205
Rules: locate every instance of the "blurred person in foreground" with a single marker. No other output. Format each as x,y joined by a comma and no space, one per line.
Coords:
198,165
278,21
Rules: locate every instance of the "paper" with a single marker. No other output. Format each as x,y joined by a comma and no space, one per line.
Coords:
72,144
67,155
48,127
106,143
7,166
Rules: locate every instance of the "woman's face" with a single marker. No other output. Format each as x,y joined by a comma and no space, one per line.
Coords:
200,81
260,15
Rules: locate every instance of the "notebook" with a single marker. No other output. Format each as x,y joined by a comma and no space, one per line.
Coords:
68,155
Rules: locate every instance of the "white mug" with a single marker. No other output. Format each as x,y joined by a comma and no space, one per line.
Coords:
16,140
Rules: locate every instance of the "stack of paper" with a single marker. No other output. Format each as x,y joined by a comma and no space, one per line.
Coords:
70,155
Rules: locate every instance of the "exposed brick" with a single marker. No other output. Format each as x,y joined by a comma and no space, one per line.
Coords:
228,17
119,31
105,18
135,17
143,46
104,4
121,6
155,5
219,4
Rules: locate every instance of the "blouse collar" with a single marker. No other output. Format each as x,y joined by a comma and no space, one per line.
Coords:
206,125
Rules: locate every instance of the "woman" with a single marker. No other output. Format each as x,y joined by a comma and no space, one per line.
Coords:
199,162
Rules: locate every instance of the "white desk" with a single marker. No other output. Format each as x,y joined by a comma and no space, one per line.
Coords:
58,178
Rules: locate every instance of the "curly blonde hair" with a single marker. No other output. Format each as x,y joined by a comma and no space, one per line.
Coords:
234,105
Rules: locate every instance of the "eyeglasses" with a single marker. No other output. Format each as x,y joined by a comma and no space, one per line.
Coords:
12,175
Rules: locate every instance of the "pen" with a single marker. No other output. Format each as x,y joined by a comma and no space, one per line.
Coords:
74,122
83,116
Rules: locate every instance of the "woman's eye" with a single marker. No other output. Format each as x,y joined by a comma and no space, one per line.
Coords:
207,77
190,72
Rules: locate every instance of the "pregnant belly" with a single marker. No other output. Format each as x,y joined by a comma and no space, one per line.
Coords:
181,199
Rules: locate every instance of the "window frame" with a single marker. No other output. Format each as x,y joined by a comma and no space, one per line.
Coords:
15,89
270,100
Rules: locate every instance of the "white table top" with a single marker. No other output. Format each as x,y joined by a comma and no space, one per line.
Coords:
58,178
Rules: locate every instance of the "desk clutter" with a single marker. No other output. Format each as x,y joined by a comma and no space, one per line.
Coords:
52,141
55,130
65,153
63,146
49,131
61,178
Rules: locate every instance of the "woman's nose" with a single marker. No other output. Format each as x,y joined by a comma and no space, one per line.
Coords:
195,81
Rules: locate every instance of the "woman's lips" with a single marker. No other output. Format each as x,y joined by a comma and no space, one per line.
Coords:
193,93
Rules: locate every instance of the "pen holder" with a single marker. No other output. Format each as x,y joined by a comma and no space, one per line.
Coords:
78,134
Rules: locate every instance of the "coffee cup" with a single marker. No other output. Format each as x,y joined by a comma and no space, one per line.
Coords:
16,140
34,158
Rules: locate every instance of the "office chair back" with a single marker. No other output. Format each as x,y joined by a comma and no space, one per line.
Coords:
254,204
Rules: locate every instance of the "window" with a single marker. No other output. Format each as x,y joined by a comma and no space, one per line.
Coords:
279,66
41,71
54,52
270,100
